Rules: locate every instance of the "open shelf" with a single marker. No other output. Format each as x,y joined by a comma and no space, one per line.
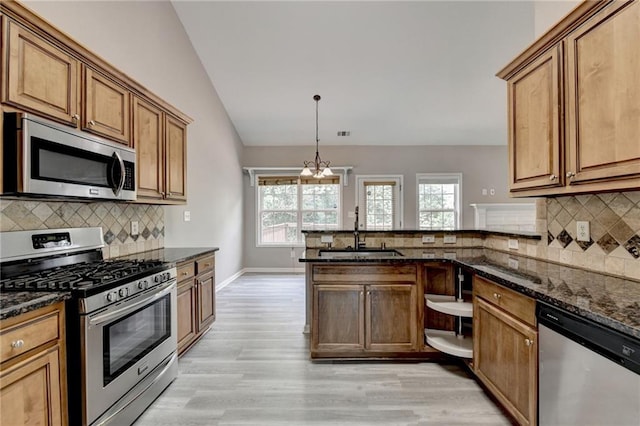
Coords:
449,305
448,342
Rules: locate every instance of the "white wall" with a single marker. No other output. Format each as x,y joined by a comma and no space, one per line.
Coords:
548,13
481,167
146,40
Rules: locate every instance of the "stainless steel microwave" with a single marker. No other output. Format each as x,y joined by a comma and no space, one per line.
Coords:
44,158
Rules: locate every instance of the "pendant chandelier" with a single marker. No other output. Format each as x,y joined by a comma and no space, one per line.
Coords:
317,168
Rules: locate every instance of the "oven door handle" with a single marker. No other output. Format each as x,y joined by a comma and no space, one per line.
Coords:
163,291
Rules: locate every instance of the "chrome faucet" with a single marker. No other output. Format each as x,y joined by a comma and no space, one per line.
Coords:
356,234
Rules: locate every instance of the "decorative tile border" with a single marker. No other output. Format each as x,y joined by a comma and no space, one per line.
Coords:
114,218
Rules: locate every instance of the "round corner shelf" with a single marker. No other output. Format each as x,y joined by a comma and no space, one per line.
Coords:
449,305
448,342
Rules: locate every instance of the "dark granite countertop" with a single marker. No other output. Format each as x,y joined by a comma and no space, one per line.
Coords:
16,303
608,300
173,254
515,234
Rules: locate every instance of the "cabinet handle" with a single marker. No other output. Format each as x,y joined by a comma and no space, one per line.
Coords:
497,295
570,174
553,177
206,265
92,123
528,342
362,293
75,117
17,344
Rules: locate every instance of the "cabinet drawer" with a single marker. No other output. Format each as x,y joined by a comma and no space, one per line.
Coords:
516,304
365,273
205,264
31,334
186,270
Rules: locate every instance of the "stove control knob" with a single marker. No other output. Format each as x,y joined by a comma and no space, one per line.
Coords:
124,292
143,284
156,279
111,296
167,276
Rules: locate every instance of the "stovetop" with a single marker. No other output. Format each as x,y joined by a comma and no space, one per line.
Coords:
83,279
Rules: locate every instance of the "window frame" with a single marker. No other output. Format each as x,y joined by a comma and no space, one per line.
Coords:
399,200
298,211
422,178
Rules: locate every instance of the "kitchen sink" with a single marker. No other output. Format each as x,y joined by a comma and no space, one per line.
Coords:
345,253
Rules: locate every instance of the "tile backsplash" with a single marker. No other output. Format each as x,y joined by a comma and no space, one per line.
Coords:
114,218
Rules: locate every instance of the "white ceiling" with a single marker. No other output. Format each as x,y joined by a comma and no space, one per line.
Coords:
392,73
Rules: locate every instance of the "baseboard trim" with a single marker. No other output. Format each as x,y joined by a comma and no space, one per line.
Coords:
243,271
229,280
274,270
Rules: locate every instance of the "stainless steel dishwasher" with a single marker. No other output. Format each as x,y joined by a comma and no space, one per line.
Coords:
589,374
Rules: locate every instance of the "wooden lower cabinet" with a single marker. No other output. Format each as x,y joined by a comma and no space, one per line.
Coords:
506,349
33,368
196,300
355,316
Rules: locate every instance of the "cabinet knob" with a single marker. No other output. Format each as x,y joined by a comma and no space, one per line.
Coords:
17,344
570,174
528,342
92,123
497,295
362,293
553,177
206,265
368,293
184,273
75,117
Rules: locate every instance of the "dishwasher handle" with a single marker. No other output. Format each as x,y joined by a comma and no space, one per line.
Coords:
612,344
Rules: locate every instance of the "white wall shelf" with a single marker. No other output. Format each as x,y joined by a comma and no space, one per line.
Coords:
252,171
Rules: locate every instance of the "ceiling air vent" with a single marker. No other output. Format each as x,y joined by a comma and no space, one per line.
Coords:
344,133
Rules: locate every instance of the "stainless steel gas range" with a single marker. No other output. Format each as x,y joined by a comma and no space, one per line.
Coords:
121,319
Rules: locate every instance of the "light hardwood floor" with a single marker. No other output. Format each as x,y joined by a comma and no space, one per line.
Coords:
253,368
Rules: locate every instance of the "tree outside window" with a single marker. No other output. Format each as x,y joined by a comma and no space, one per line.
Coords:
439,201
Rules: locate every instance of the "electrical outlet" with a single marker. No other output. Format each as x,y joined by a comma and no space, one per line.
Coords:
513,263
449,239
492,192
484,191
326,238
187,216
428,238
512,244
450,256
583,233
428,255
134,228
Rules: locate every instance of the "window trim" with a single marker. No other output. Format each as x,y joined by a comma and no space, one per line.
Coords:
298,211
440,176
398,179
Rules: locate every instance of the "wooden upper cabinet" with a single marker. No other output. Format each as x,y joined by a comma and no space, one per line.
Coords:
604,95
574,115
148,141
534,124
39,76
176,159
106,107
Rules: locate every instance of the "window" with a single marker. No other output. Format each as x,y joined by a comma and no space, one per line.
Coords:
439,200
289,204
379,201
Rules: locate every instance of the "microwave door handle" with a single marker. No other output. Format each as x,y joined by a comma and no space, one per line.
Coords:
118,188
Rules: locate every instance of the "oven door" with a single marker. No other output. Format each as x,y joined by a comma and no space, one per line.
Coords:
125,343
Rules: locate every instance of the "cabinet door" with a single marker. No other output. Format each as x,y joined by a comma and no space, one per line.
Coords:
106,107
206,300
176,159
148,141
338,318
603,92
506,359
187,311
30,392
41,77
535,136
391,317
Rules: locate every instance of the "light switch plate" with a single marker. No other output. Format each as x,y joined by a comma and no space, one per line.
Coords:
326,238
449,239
187,216
428,238
428,255
450,256
583,233
513,263
134,228
513,244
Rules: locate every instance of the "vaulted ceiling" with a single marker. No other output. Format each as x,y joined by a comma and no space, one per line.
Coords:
391,73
